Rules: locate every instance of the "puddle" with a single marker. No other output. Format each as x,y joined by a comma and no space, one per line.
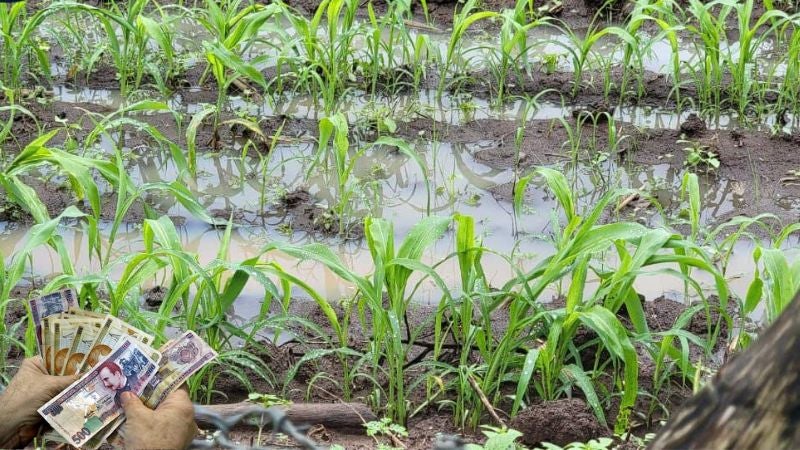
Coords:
459,184
360,107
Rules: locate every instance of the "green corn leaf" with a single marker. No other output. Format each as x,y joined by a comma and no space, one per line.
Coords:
524,379
581,380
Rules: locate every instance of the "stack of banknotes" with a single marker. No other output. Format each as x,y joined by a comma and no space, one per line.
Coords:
112,357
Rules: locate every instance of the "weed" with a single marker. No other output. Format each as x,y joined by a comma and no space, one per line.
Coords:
385,427
699,155
594,444
267,400
498,439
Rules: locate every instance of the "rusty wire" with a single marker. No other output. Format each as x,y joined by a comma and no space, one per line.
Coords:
276,417
254,415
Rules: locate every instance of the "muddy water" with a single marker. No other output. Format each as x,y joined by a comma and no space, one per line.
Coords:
460,184
360,106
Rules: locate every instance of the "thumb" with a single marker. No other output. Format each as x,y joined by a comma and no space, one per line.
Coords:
55,384
131,404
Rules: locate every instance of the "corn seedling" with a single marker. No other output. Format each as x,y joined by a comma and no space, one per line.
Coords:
511,56
18,32
389,341
338,156
324,67
462,20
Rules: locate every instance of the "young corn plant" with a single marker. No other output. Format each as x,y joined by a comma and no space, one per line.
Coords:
12,268
467,320
227,67
17,34
126,38
510,58
462,20
198,298
323,67
789,90
338,157
581,51
77,169
392,60
708,31
663,16
234,31
165,66
776,278
743,66
640,252
386,294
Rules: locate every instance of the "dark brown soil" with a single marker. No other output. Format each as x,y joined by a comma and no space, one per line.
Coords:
693,125
154,296
307,215
662,315
559,422
752,164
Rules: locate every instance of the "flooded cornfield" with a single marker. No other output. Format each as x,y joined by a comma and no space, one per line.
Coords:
515,223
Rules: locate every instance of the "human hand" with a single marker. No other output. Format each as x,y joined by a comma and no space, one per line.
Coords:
29,390
171,425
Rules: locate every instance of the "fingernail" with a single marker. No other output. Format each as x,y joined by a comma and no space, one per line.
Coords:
126,397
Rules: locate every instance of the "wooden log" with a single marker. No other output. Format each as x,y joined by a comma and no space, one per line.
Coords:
348,416
753,402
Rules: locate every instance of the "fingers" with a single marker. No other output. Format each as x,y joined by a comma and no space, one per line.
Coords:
34,364
132,405
177,401
55,384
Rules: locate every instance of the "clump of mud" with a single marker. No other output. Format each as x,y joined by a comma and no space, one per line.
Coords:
693,125
596,112
308,216
154,296
559,422
293,199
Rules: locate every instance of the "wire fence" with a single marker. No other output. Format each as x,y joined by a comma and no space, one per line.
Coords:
277,420
256,415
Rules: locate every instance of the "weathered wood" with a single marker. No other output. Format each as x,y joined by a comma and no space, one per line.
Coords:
350,416
753,402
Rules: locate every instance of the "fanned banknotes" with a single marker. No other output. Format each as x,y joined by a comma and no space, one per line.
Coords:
92,402
180,358
114,357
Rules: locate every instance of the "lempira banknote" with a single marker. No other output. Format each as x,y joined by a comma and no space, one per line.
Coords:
85,335
48,305
63,335
91,403
111,332
181,358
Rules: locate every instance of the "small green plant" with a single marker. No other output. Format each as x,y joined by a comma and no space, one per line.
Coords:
267,400
551,61
468,107
699,155
603,443
465,18
385,427
18,40
498,439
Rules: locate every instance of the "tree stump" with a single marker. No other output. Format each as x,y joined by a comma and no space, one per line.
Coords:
753,402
